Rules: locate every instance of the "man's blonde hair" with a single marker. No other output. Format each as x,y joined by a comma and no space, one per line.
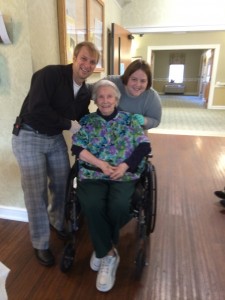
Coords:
90,46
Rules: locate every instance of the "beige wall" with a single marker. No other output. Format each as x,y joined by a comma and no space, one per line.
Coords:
15,73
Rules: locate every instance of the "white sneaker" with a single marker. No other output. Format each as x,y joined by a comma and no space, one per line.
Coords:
95,262
107,272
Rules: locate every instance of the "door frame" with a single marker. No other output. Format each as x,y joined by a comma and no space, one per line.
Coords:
215,47
119,45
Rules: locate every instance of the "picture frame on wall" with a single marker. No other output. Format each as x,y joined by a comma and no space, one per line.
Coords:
95,28
72,27
80,20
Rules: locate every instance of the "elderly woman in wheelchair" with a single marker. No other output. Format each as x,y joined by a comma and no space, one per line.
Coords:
111,147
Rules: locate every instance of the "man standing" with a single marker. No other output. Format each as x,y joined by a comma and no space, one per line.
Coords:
57,99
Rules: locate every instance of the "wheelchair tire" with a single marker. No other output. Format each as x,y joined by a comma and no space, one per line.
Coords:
72,206
151,200
140,262
67,257
70,196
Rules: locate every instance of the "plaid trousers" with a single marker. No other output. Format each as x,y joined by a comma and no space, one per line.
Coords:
44,166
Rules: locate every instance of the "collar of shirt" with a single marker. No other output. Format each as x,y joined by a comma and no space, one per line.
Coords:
110,117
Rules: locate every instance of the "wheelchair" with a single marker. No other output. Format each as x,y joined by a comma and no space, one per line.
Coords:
143,209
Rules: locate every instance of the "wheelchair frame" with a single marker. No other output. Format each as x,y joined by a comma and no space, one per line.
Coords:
143,208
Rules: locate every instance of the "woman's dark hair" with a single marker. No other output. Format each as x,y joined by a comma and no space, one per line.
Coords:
138,64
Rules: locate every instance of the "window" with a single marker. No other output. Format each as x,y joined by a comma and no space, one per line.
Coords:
176,73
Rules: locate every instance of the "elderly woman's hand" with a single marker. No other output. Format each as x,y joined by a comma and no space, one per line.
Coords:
106,168
119,171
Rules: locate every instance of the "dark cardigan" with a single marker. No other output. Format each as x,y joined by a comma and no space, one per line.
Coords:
50,104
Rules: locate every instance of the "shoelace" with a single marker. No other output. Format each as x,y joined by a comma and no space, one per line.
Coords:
105,264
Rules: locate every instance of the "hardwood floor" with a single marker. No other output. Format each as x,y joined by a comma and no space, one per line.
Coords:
187,258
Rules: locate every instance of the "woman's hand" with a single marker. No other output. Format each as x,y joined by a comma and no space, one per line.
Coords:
119,171
114,172
106,168
88,157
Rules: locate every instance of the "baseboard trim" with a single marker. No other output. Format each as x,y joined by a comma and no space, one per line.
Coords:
186,132
13,213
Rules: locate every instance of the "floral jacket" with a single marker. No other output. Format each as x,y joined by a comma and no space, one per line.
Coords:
109,140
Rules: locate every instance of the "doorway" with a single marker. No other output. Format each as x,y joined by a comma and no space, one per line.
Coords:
213,64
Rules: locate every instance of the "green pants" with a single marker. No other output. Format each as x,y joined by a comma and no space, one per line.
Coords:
106,205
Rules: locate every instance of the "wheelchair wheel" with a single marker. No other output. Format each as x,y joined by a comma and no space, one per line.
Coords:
70,194
72,206
150,199
139,263
67,257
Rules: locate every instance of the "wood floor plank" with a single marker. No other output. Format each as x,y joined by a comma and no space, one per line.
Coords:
187,257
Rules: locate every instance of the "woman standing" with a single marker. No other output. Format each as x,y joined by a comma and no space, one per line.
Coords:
137,95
